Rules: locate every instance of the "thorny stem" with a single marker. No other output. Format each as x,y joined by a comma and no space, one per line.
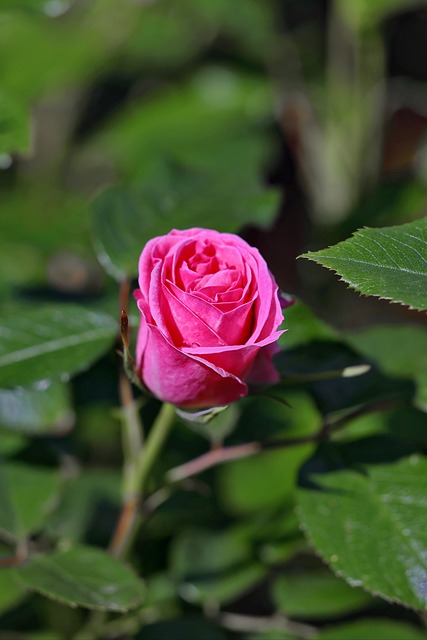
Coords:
132,442
138,458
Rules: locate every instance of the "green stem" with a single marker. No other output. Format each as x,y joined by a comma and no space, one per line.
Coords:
138,465
132,437
156,438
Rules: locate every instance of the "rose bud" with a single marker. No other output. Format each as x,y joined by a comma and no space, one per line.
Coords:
210,313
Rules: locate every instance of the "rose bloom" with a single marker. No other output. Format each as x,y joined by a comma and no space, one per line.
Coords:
210,313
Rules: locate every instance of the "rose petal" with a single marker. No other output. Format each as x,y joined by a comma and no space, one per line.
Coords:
232,327
188,328
180,379
235,359
263,370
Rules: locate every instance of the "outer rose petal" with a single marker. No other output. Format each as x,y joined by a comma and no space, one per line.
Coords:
180,379
263,370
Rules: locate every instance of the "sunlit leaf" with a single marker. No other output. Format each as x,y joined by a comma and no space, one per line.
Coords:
369,526
389,262
37,411
50,342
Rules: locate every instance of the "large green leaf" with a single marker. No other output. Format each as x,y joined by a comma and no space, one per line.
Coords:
399,350
369,526
26,496
83,576
50,342
389,262
125,218
37,411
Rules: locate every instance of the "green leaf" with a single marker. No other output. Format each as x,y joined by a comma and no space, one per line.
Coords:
195,123
27,495
303,326
399,350
14,127
317,594
11,442
24,4
125,218
37,411
277,535
82,499
213,565
369,526
11,590
50,342
389,262
368,628
83,576
269,478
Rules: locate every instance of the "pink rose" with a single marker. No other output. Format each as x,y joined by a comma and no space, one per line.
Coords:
210,313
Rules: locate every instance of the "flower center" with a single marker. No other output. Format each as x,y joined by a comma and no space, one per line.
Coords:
212,273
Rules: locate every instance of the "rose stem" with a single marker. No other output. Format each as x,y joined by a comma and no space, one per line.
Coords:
132,444
155,440
132,437
129,519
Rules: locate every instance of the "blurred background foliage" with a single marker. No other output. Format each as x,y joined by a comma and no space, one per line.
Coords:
293,122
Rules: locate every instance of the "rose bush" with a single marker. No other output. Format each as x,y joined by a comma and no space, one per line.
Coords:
210,313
